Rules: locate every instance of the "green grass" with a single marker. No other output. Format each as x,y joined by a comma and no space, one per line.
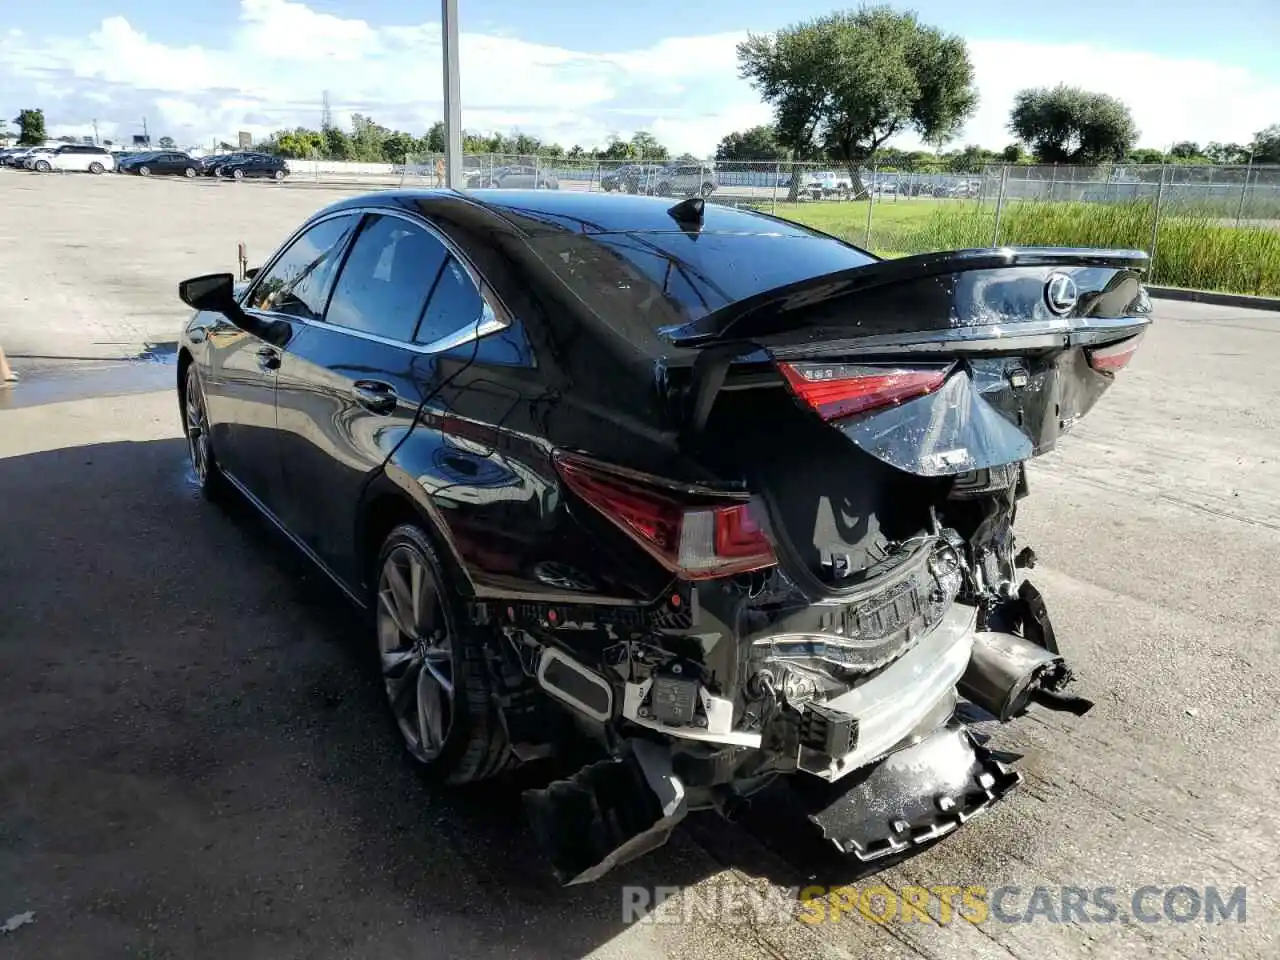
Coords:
1193,251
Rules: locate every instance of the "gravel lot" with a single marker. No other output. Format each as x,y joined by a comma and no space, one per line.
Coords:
194,759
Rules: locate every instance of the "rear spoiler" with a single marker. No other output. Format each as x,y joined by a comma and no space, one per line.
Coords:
933,279
962,301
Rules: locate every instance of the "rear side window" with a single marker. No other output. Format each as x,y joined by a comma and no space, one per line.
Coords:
297,282
385,282
455,303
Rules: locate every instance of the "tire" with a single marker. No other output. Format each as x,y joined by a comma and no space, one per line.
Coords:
217,171
96,168
237,174
144,171
472,743
42,166
189,173
278,175
195,427
707,190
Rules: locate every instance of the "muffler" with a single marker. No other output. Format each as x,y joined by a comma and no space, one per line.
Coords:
1006,672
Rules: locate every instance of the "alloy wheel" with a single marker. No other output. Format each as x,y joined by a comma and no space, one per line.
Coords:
416,650
197,430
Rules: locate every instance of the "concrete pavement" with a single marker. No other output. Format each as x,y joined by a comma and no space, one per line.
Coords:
195,761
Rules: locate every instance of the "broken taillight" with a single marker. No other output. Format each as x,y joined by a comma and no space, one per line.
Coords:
843,389
697,541
1114,356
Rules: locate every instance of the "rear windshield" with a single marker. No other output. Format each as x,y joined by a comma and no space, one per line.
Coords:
679,277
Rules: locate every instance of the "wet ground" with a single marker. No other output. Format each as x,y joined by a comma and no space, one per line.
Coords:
195,761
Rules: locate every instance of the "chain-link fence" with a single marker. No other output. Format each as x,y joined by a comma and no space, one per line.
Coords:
1211,227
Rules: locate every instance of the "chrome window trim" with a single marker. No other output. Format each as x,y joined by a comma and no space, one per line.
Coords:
494,317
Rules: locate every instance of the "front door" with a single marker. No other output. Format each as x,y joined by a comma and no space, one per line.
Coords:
241,389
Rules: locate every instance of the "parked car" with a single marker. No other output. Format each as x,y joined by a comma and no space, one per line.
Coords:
825,184
72,157
255,165
210,166
684,180
27,159
632,177
160,163
13,156
515,177
640,485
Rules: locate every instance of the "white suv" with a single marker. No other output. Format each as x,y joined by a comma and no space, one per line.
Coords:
78,157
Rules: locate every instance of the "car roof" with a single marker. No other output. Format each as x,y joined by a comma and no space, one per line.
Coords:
535,212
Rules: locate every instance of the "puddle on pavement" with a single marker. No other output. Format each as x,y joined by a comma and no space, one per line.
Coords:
150,371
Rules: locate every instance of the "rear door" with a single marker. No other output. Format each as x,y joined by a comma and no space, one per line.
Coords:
71,158
351,386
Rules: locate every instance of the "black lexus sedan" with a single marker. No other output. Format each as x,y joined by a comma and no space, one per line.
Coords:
161,163
259,165
725,498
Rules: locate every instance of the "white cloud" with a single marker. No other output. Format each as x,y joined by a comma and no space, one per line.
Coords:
683,89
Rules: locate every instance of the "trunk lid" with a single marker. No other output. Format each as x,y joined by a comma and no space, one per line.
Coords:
978,358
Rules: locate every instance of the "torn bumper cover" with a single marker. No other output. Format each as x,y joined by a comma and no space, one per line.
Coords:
912,796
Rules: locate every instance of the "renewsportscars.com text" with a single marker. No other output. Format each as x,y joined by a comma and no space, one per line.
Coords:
877,903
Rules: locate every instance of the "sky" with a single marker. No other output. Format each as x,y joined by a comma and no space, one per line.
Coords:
571,72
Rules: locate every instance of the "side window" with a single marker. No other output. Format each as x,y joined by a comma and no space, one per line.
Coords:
296,283
385,282
455,303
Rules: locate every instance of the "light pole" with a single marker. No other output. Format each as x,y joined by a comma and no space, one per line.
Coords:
452,95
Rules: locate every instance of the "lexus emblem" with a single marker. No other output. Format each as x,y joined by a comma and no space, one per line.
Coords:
1060,294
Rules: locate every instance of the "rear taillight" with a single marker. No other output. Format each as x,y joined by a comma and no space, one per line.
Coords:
1114,356
697,541
842,389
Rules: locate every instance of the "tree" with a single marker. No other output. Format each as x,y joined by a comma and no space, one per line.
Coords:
1013,153
1266,145
366,138
646,146
435,138
397,145
969,160
337,145
30,128
618,149
848,82
1185,150
756,143
1070,125
1146,155
1226,152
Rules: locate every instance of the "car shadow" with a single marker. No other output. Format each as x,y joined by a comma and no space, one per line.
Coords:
196,758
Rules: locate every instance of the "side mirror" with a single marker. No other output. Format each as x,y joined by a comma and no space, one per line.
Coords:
213,291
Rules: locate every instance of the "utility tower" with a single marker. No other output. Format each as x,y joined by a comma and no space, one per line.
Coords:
326,114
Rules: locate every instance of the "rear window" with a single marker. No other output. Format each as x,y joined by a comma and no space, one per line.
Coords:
688,275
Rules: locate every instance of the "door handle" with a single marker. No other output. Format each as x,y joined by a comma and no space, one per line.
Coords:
269,358
375,396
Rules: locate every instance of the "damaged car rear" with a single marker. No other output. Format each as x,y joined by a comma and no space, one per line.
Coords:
727,498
